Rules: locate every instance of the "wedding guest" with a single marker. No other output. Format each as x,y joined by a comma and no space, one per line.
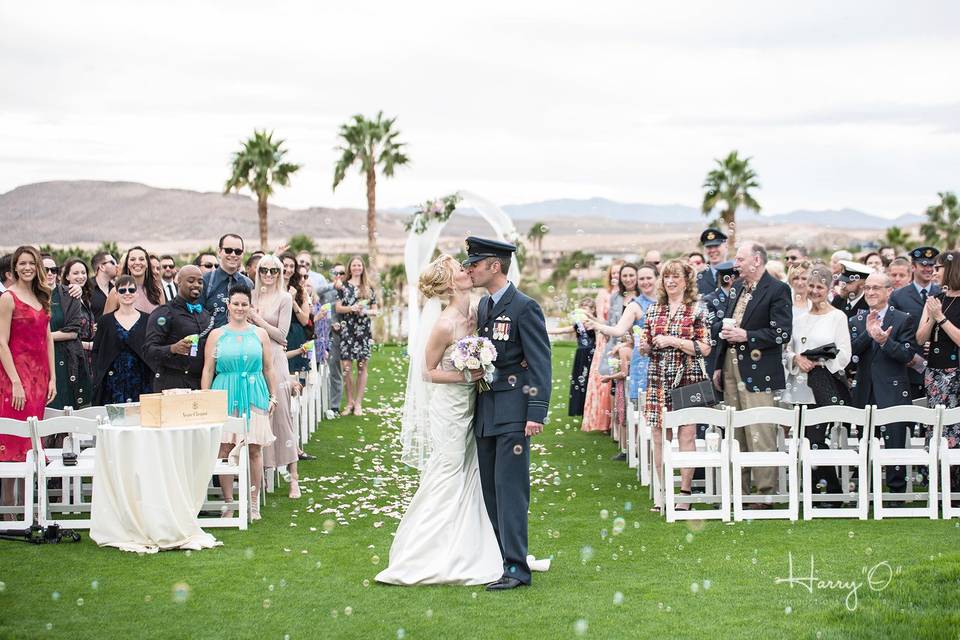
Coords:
675,335
250,266
750,355
328,296
776,269
27,379
888,253
715,306
305,262
104,272
51,270
714,244
812,380
168,275
874,261
596,408
271,309
149,296
299,315
852,275
207,262
155,268
912,298
169,345
626,291
121,372
882,341
582,357
900,272
697,260
835,260
940,325
794,253
217,281
652,257
357,303
71,326
6,271
618,378
797,279
239,359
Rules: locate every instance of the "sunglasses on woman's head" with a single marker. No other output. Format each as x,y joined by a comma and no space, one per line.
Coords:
271,270
126,290
231,250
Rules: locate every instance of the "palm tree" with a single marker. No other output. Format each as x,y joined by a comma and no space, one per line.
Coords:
259,166
535,236
942,227
729,183
371,143
897,238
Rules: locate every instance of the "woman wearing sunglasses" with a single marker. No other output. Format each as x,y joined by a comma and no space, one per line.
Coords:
272,306
121,371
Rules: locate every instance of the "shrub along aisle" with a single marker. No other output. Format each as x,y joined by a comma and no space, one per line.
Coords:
306,570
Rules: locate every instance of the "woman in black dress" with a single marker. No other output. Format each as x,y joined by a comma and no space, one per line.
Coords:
121,373
356,304
71,325
582,357
299,315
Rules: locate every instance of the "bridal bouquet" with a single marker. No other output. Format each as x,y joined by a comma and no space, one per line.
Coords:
473,353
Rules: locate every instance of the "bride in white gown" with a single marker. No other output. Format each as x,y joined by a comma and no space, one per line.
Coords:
445,536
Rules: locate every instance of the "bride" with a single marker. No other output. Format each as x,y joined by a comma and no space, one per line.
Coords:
445,536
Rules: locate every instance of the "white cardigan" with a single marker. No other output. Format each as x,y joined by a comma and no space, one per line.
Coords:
809,332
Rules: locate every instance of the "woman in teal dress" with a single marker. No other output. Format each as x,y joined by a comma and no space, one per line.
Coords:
237,359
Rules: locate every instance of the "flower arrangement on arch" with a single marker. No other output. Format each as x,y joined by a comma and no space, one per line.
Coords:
440,209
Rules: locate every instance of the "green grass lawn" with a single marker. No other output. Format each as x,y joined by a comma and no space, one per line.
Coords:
306,570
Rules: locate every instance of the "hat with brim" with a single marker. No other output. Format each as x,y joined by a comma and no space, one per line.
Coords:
481,248
712,237
926,256
853,271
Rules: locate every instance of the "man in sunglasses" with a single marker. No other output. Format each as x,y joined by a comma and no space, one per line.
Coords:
328,295
104,272
168,273
305,266
217,283
207,262
169,347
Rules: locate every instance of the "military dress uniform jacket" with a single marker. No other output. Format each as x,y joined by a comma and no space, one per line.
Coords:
706,281
716,305
520,391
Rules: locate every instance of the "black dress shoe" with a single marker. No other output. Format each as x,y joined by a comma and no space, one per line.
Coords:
307,456
620,456
505,583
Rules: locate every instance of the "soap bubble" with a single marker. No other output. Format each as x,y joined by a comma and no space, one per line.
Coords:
618,598
580,627
181,591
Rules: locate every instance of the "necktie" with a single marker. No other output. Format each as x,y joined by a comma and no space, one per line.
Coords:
923,296
489,305
194,308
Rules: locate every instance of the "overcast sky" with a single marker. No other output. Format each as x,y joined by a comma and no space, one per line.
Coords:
840,104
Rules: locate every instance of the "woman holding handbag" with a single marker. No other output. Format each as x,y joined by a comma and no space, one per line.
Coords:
676,335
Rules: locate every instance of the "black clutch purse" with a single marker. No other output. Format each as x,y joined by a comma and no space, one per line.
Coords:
698,394
828,351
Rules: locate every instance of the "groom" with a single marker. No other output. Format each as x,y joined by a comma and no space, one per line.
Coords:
514,408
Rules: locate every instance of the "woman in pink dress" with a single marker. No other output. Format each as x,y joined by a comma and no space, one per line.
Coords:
26,354
598,404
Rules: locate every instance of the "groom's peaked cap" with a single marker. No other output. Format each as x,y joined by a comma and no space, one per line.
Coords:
480,248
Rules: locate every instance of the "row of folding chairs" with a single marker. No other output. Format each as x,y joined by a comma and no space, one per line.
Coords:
795,459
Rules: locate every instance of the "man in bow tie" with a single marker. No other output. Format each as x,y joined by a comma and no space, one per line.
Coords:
169,345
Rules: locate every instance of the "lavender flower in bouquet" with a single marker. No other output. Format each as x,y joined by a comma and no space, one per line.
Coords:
474,353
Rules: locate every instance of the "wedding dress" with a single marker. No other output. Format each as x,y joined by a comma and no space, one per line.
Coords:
445,536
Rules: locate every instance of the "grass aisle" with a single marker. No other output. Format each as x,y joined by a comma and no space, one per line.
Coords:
306,570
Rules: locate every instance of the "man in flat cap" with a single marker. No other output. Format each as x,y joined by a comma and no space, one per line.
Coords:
515,407
911,299
714,244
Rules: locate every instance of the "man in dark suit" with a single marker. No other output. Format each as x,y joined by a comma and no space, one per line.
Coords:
714,244
852,275
911,298
715,303
515,407
882,341
750,354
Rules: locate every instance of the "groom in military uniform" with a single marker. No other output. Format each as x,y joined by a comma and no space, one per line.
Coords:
514,408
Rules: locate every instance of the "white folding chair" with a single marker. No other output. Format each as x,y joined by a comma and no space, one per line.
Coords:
633,427
882,457
23,471
709,460
240,470
854,454
948,458
73,426
915,441
786,458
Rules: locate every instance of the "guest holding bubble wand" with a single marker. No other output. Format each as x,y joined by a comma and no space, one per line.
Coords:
356,304
586,343
239,360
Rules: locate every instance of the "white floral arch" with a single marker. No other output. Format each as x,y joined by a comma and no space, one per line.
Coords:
420,247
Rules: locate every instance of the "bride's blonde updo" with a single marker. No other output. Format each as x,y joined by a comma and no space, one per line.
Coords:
437,278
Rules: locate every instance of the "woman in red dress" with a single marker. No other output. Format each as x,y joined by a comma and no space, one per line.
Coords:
26,354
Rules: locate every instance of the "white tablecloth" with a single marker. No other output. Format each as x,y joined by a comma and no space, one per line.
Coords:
149,486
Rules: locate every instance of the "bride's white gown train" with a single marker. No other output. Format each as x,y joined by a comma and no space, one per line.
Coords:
445,536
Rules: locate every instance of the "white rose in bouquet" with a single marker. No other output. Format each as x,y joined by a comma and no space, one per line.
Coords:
472,363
